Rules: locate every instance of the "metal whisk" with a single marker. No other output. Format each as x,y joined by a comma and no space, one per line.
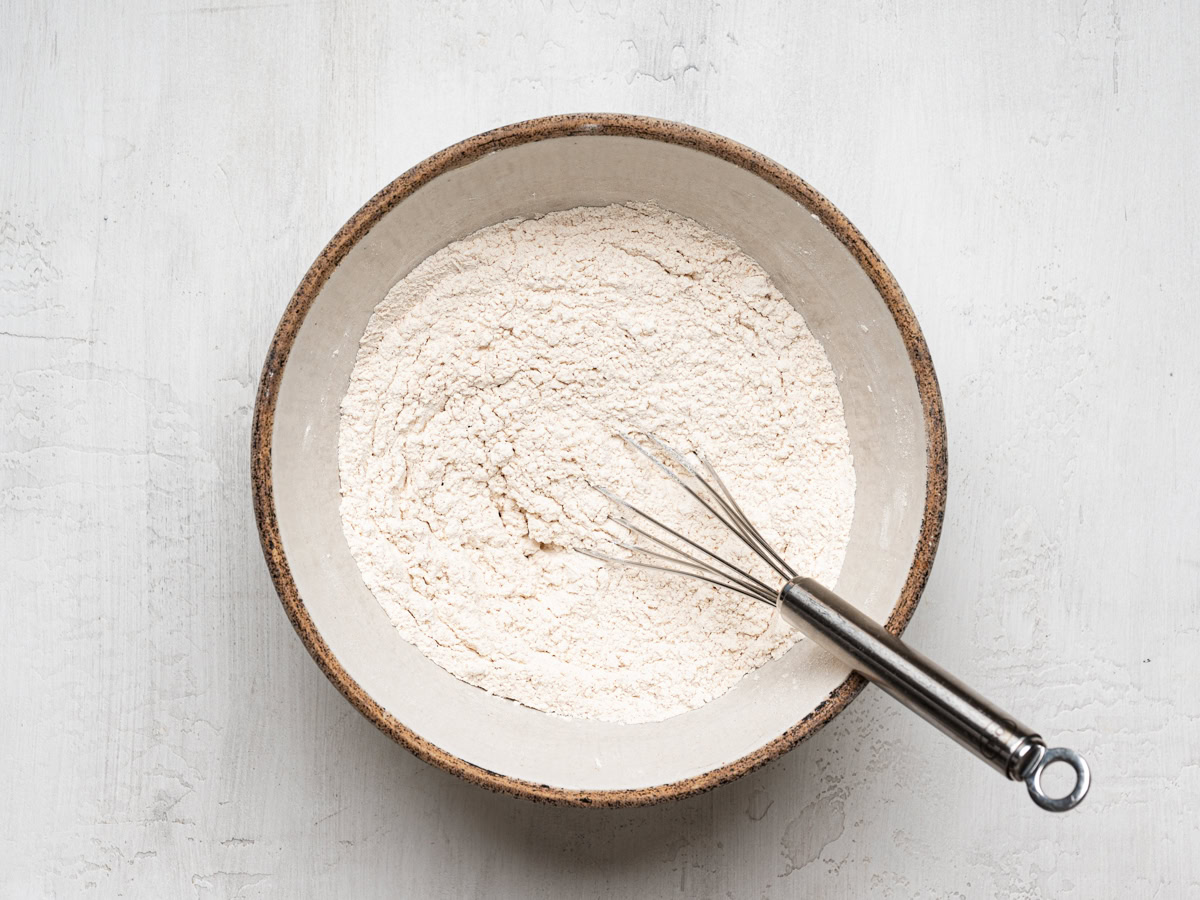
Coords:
1011,748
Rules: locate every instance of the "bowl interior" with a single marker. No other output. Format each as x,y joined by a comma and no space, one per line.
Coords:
809,265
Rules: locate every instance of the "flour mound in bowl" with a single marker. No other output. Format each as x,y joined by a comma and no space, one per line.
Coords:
487,391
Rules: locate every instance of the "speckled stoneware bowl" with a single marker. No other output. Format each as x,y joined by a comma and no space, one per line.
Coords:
816,258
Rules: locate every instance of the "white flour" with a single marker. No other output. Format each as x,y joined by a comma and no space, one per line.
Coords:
486,392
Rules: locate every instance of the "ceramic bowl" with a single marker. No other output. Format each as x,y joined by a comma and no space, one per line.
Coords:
817,259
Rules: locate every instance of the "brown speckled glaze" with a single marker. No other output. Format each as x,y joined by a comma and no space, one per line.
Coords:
459,155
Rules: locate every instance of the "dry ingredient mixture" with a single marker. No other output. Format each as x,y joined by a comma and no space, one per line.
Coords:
486,394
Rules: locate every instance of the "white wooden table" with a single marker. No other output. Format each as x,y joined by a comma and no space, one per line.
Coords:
1031,173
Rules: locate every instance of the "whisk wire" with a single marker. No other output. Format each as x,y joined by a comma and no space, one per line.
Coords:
735,528
726,511
675,534
643,565
741,524
788,572
679,481
679,557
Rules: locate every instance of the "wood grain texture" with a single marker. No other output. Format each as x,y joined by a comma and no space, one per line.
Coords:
1029,172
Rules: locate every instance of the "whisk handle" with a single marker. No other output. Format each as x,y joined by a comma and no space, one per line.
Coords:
997,738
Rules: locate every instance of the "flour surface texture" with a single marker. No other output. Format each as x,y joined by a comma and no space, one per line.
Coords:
486,395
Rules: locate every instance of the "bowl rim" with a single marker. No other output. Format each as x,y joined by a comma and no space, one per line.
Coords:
463,153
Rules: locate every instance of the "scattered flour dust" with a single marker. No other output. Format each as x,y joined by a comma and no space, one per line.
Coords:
485,396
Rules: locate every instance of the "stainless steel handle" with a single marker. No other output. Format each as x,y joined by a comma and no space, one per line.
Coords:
1011,748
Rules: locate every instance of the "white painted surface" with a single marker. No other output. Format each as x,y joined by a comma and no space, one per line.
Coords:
169,170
